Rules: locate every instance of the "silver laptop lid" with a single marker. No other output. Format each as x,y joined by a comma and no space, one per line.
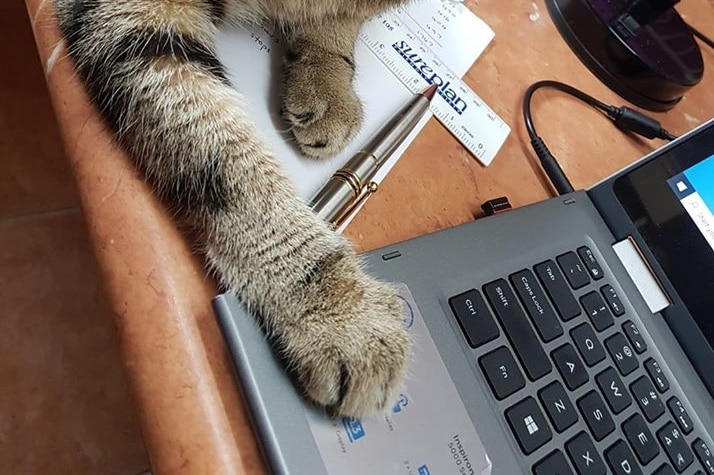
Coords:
664,204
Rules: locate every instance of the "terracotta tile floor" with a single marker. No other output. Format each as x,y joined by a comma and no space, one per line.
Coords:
64,403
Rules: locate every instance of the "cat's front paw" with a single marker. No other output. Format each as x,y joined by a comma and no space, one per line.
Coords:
318,102
349,347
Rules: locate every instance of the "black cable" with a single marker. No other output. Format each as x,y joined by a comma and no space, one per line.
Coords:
624,118
561,87
702,37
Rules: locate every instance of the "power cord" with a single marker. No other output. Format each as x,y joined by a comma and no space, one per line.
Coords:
702,37
624,118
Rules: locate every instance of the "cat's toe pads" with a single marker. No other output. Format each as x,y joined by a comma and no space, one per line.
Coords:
319,104
350,349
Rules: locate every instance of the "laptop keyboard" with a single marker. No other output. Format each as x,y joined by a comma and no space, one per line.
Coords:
576,378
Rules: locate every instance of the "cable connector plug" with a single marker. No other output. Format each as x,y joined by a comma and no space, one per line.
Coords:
556,174
630,120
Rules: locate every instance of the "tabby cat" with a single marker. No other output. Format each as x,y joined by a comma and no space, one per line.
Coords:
151,69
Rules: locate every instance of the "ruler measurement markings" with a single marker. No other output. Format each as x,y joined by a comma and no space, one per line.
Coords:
447,106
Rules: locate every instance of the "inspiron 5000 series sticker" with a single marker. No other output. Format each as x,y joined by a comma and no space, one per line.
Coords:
426,431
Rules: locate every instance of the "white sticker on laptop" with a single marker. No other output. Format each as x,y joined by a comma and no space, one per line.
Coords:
427,431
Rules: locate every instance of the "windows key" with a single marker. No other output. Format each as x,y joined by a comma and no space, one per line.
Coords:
528,425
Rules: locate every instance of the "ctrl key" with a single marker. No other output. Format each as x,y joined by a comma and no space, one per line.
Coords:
474,317
502,373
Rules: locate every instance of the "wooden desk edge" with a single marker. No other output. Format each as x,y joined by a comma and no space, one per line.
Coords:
190,410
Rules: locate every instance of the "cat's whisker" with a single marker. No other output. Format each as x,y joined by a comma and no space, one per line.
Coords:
58,52
38,13
286,130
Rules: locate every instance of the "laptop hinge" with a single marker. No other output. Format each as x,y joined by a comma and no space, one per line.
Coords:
642,275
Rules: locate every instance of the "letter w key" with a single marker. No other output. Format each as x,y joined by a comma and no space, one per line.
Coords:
614,391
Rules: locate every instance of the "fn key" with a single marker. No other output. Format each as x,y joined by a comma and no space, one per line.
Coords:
502,372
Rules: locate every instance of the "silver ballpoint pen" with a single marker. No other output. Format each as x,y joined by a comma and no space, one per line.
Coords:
352,183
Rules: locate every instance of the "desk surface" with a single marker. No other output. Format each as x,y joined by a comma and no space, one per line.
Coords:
192,415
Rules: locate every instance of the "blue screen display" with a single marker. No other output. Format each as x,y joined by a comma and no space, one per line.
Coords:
669,200
695,190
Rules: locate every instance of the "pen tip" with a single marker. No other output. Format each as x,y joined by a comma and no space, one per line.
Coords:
430,91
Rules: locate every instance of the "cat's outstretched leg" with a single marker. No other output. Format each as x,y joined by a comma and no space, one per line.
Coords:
151,70
319,101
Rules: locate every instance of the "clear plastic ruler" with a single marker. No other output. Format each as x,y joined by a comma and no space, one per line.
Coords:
461,111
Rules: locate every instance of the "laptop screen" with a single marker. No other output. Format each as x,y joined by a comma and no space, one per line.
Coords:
670,200
695,190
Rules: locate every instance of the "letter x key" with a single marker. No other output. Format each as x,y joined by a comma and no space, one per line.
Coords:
584,456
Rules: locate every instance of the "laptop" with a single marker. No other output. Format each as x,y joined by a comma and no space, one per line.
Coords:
574,335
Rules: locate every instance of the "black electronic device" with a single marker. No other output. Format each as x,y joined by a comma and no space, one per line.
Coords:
641,49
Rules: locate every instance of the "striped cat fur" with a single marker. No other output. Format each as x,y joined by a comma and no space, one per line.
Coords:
151,69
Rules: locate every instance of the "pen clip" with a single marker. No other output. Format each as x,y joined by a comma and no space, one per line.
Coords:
365,193
371,188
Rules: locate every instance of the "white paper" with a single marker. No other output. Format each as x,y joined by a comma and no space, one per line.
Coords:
253,58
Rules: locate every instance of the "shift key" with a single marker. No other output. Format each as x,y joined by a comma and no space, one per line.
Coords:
474,318
518,329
